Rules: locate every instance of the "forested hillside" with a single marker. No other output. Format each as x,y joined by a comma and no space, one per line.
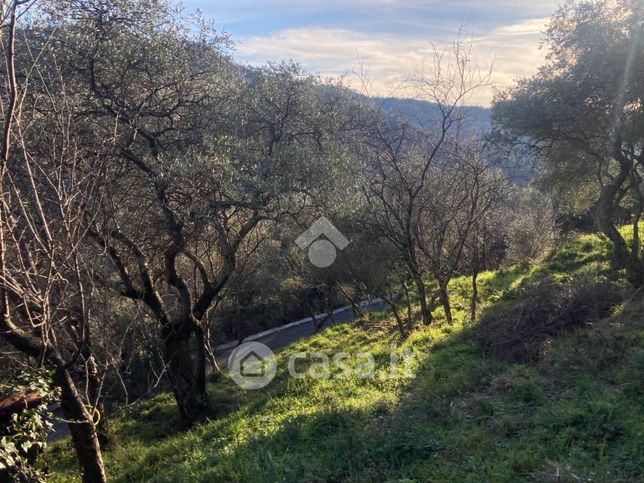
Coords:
423,111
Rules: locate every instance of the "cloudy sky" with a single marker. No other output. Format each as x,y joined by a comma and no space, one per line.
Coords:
389,39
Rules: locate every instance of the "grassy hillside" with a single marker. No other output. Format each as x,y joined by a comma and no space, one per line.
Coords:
575,414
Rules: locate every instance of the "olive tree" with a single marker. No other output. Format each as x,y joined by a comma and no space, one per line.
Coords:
404,158
200,149
463,192
582,115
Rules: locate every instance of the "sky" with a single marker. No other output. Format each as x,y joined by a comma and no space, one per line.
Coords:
386,40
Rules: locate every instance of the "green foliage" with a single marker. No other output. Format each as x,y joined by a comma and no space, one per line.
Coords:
581,117
24,435
576,415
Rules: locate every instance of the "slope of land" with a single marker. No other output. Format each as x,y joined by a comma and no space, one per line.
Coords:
574,414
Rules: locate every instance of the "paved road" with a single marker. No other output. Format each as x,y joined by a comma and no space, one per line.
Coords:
285,335
274,339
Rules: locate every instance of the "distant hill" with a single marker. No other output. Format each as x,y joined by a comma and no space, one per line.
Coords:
478,122
422,112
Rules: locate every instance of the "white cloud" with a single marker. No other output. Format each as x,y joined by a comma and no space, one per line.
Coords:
514,8
512,49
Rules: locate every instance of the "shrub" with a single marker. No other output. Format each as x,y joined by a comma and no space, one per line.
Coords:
23,433
516,330
531,227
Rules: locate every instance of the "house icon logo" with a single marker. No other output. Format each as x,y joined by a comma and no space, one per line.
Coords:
252,365
322,251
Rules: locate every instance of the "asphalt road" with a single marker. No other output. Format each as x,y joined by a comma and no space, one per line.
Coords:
285,335
276,339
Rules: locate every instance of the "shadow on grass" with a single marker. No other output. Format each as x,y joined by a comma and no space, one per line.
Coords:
464,417
334,431
413,428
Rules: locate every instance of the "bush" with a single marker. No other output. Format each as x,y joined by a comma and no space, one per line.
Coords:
23,433
516,330
531,227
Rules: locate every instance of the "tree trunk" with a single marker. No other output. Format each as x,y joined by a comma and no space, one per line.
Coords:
635,243
94,393
357,311
188,389
410,318
444,298
422,300
621,254
475,295
604,215
200,365
399,321
81,427
319,323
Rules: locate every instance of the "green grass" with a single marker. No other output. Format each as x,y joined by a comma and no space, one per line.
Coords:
577,415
